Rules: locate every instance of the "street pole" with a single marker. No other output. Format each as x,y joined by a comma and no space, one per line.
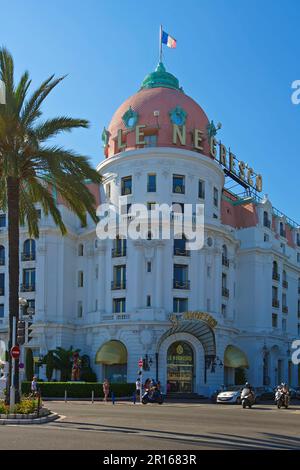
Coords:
12,391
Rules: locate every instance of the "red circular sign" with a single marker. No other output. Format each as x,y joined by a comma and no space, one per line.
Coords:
15,352
141,363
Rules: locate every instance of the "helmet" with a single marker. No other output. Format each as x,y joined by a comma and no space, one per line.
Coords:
247,384
283,384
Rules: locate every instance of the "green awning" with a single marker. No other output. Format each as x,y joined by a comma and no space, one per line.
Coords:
112,352
235,357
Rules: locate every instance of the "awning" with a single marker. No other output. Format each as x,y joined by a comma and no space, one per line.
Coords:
235,357
112,352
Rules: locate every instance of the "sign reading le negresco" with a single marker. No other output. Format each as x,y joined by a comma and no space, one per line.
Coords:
235,168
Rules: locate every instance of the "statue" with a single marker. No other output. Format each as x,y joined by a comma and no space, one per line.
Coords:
76,367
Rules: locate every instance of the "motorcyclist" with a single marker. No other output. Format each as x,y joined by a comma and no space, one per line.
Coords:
248,390
285,390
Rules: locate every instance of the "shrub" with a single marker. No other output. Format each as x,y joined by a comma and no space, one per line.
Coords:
29,364
26,406
78,389
4,409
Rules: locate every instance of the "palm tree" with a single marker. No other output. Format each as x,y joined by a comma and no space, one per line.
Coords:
30,169
61,359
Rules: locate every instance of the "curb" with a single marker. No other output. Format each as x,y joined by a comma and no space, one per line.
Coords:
43,420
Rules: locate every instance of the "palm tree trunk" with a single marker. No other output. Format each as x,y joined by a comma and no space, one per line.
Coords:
13,196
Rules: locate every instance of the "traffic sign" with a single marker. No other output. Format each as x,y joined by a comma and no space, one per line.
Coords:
15,352
21,365
140,363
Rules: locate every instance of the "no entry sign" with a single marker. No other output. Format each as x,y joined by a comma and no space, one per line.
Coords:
15,352
140,363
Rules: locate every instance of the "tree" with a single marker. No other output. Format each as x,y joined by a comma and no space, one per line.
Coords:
31,169
62,360
29,364
49,361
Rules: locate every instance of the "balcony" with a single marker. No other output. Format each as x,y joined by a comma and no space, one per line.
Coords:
275,303
2,261
225,292
285,309
181,252
285,284
27,287
181,284
225,261
117,285
118,252
28,256
276,276
2,290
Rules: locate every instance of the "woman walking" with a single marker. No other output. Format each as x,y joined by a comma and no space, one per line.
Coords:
106,389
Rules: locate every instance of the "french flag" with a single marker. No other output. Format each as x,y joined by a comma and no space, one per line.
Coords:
168,40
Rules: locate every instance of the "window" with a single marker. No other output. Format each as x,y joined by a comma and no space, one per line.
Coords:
151,206
178,207
267,222
28,280
225,260
80,278
216,197
28,250
97,272
2,220
298,257
208,271
149,266
151,183
1,310
108,191
266,237
275,273
148,300
79,309
96,305
178,184
224,281
298,239
224,310
119,280
2,255
181,277
180,305
180,247
274,320
150,140
281,230
119,248
282,246
2,284
80,249
283,300
119,305
126,185
201,189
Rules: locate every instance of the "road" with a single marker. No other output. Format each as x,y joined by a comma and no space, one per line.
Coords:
178,426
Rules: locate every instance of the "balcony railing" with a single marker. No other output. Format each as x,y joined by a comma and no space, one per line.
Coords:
116,285
118,252
2,261
285,284
285,309
181,284
225,261
181,252
275,303
27,287
225,292
28,256
2,290
276,276
179,189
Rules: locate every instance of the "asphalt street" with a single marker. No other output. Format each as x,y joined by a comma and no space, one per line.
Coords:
178,426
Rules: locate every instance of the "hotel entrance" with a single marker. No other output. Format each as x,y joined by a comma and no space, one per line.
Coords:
180,370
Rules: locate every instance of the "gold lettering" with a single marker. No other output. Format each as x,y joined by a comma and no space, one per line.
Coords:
180,133
249,174
121,144
222,158
213,147
139,134
231,162
242,170
258,183
198,139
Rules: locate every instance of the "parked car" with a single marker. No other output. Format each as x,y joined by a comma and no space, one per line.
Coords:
264,393
297,389
232,395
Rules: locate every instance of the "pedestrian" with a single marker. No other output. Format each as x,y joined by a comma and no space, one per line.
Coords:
106,389
34,387
138,387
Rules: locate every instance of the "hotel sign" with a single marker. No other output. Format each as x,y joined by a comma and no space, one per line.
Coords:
194,316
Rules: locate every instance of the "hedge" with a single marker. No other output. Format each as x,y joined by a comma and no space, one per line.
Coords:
79,390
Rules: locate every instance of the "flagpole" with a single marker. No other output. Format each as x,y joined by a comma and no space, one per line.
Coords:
160,43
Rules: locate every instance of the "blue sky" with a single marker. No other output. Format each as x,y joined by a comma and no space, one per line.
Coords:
236,58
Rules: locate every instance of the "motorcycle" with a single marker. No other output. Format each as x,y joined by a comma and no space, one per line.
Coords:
152,396
282,399
247,398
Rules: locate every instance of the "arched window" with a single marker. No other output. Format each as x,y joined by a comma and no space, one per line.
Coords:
2,255
267,222
225,260
28,250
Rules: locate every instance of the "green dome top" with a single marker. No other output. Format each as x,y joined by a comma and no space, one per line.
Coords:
160,78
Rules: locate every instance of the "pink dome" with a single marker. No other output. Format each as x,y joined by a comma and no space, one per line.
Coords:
162,98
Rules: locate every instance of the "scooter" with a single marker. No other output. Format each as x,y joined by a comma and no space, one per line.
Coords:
152,397
282,399
247,398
